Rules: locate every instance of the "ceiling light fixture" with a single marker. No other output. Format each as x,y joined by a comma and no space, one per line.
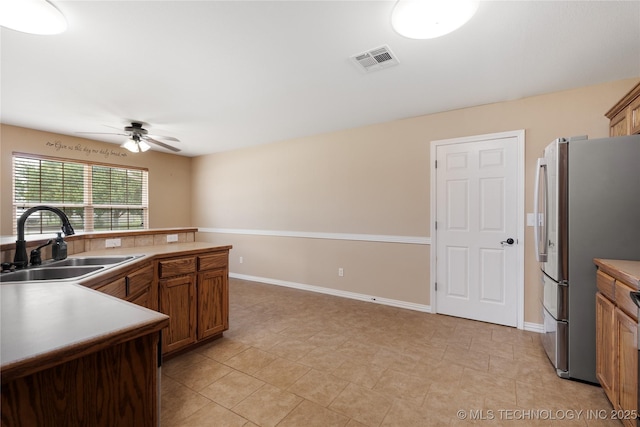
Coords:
427,19
135,144
32,16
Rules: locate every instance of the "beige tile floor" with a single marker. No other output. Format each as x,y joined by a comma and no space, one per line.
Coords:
296,358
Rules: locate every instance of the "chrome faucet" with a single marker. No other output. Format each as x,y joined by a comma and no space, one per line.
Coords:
20,259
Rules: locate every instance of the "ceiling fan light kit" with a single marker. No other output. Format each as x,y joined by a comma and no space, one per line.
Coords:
32,16
427,19
136,145
138,138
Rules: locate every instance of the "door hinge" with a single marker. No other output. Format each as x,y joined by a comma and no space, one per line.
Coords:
436,164
436,225
436,286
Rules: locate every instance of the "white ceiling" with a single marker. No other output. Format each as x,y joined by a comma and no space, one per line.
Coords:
221,75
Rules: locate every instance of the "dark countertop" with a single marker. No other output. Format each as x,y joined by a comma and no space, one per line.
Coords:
47,323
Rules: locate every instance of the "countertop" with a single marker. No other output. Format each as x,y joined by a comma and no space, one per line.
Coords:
44,323
628,270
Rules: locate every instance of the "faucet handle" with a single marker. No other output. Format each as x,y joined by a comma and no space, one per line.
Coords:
35,258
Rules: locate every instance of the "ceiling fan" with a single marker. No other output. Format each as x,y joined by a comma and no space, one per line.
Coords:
139,137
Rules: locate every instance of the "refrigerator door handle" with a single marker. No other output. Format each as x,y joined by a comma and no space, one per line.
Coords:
539,225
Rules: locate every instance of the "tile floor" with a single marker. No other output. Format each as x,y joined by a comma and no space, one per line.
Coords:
296,358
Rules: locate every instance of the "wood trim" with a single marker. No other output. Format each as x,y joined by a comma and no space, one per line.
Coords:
624,102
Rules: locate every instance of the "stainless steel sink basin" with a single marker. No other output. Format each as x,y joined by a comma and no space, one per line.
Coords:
49,273
70,268
98,260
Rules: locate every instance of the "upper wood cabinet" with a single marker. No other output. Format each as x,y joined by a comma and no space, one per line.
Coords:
625,115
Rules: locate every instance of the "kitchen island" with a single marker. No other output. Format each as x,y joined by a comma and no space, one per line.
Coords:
72,355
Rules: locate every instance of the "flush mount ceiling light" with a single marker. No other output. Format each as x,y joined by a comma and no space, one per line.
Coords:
32,16
136,145
427,19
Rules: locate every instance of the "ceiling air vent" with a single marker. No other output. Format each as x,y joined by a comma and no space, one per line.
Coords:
375,59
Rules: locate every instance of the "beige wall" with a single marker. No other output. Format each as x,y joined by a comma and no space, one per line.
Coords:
371,180
169,175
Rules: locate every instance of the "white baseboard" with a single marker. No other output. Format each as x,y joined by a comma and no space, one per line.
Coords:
534,327
528,326
335,292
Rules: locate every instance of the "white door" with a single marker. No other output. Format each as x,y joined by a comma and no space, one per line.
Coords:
476,218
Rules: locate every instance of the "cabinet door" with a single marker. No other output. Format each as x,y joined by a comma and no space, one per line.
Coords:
627,367
605,345
178,301
213,300
619,125
634,116
117,288
140,288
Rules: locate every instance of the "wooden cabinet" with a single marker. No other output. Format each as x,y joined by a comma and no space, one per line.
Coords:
605,344
136,287
178,301
627,365
617,344
624,117
194,292
116,386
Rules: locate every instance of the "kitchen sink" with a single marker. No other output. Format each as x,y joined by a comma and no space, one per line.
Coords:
49,273
98,260
70,268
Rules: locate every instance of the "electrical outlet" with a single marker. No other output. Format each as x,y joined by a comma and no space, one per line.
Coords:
172,238
241,260
112,243
341,272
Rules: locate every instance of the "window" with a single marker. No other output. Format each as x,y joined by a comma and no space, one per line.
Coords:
95,197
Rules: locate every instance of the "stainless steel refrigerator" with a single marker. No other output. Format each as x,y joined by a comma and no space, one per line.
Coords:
586,205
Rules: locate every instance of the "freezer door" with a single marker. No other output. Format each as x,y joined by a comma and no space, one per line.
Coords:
555,298
555,343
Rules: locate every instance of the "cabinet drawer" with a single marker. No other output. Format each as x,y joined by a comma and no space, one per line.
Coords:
116,289
140,280
624,301
176,267
208,262
605,284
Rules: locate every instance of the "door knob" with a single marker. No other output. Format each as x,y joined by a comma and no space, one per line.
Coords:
509,241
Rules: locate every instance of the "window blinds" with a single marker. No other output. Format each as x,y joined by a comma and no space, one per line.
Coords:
94,196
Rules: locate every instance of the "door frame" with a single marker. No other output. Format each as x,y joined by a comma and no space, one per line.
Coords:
520,220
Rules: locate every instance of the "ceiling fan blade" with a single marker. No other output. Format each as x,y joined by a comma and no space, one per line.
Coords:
161,144
103,133
167,138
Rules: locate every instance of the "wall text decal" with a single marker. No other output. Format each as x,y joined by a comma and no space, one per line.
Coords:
104,153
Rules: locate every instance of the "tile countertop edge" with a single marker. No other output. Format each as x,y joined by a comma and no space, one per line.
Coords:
629,270
30,361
